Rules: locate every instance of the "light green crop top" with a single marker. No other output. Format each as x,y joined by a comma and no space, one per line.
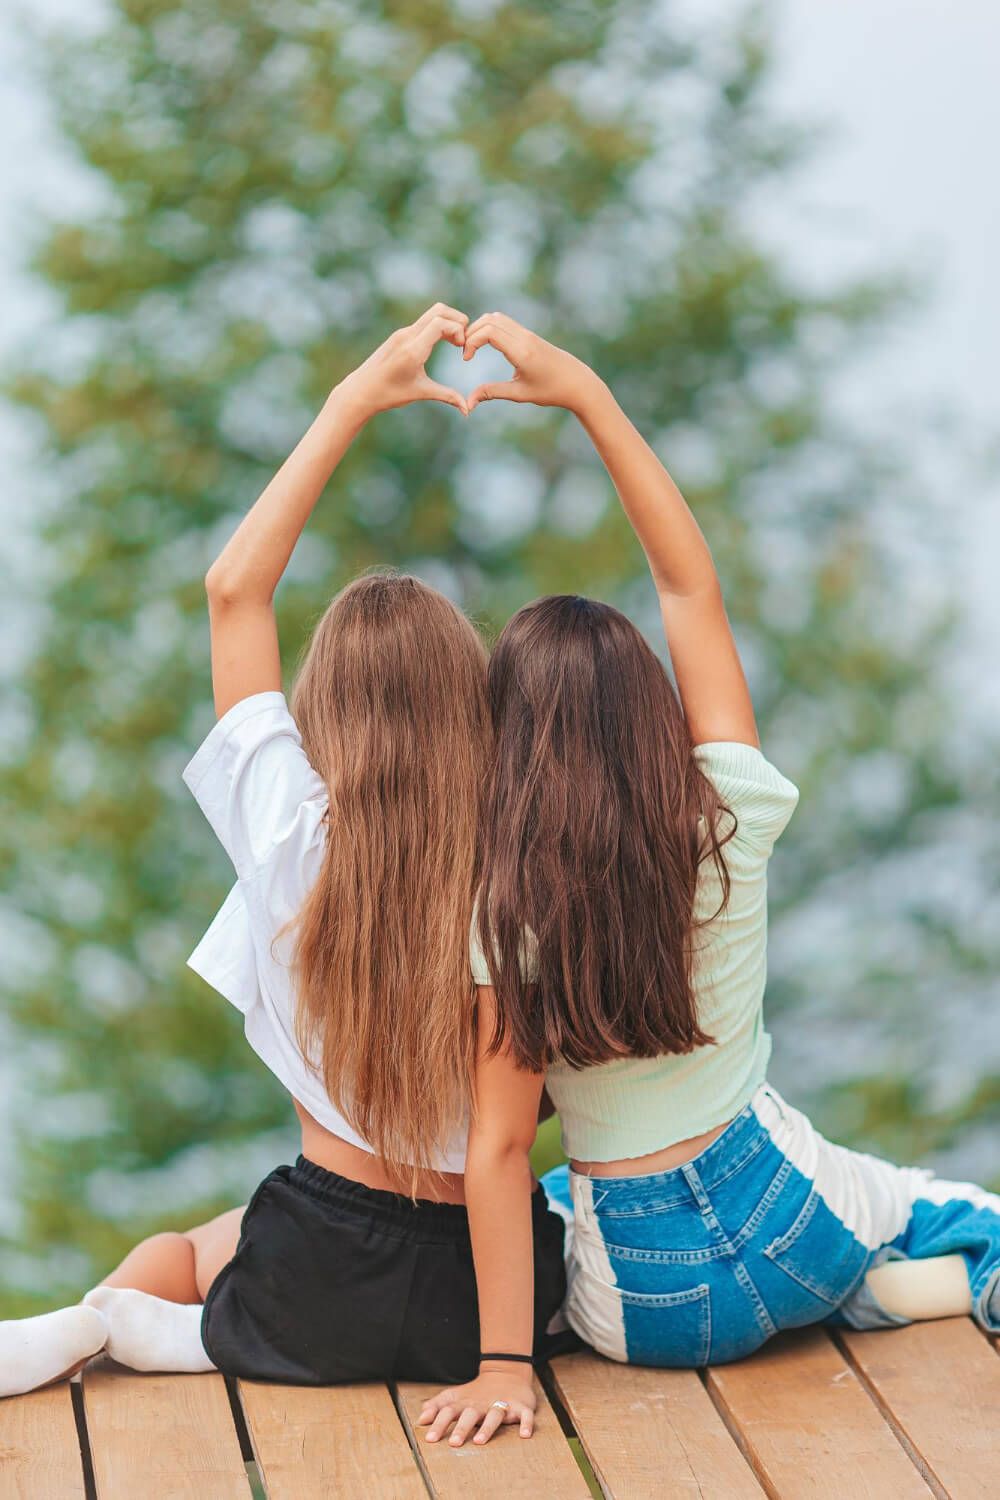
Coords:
635,1106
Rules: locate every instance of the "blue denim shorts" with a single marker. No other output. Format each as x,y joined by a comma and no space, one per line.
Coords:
770,1227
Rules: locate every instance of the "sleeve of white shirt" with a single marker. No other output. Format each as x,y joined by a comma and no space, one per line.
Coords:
758,796
252,780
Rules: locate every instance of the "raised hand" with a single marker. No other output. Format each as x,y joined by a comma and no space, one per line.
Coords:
395,375
543,374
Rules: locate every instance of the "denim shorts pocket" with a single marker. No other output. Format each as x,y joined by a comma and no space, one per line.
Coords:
820,1253
669,1329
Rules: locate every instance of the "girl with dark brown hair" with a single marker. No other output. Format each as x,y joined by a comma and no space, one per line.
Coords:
622,918
351,823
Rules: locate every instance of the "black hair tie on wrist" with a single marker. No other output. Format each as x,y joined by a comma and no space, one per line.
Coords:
521,1359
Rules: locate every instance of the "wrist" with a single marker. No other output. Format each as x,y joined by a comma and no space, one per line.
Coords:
349,402
521,1366
591,397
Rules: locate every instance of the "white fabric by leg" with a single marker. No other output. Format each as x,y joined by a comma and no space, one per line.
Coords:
872,1198
905,1211
593,1304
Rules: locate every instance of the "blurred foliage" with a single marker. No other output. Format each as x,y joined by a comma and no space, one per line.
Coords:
277,184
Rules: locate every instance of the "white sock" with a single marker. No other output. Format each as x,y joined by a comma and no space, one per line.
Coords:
34,1351
147,1333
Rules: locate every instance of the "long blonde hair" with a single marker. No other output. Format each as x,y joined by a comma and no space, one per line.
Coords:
390,700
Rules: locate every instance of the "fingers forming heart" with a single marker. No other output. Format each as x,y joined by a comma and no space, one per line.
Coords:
440,324
501,333
494,330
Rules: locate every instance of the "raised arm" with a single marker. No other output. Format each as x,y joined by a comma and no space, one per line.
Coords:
710,678
242,580
498,1188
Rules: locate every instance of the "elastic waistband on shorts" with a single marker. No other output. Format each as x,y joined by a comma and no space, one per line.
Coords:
394,1213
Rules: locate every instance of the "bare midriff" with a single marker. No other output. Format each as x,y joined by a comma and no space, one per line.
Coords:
334,1154
657,1161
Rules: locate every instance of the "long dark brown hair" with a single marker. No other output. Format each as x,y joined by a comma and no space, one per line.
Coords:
597,820
391,704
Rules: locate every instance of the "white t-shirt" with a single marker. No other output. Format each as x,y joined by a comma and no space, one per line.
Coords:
266,804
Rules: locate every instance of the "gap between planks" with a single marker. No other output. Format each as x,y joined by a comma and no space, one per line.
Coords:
808,1426
508,1465
650,1434
172,1434
45,1454
937,1384
311,1442
41,1452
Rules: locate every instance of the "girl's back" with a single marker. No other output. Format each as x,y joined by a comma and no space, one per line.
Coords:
637,864
351,822
352,825
636,1106
622,926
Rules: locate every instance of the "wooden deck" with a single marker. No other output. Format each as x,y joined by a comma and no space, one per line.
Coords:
879,1416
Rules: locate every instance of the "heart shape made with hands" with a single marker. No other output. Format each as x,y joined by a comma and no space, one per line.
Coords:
464,374
536,371
508,347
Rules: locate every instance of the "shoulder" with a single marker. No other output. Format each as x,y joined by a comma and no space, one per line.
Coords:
249,725
253,781
760,798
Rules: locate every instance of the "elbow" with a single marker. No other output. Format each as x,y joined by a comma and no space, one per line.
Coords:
703,587
218,586
223,588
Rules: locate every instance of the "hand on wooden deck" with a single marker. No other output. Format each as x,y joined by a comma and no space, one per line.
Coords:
478,1404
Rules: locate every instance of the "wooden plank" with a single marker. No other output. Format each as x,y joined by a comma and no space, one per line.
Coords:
651,1434
808,1427
315,1444
171,1436
39,1447
516,1468
939,1386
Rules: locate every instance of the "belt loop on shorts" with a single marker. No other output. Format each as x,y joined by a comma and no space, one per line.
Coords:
588,1203
696,1186
777,1101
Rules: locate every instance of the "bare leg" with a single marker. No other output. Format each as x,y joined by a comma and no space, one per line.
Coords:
163,1265
132,1317
918,1289
180,1267
214,1246
152,1303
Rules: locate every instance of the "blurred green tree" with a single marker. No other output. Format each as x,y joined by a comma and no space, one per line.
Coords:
277,185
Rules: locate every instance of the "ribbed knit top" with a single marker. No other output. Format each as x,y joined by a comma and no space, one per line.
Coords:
634,1106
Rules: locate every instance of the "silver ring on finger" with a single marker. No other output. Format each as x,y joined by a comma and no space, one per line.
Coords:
501,1405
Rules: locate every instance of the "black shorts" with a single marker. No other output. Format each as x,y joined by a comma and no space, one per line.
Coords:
333,1281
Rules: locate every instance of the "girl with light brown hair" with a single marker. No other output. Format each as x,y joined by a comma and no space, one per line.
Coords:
351,822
